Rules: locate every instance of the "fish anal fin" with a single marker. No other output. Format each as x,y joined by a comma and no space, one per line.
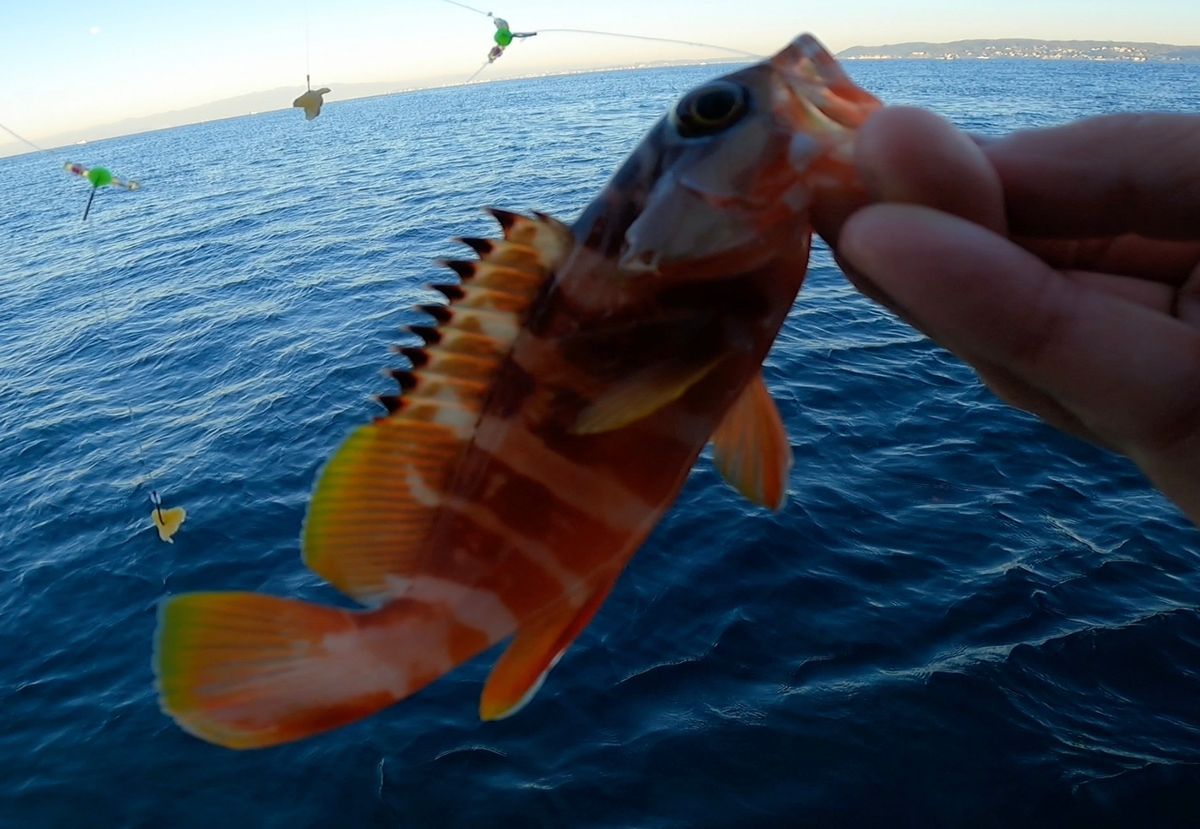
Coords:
639,396
751,448
535,649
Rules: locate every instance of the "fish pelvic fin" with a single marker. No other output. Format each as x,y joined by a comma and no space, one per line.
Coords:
244,670
536,648
751,447
377,498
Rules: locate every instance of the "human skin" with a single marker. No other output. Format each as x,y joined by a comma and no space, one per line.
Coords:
1062,264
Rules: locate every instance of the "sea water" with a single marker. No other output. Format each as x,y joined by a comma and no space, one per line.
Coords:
961,618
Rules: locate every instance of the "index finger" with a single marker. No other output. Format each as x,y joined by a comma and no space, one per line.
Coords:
1158,260
1130,173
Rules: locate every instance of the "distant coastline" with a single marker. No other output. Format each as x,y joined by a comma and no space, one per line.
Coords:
1028,49
273,100
277,99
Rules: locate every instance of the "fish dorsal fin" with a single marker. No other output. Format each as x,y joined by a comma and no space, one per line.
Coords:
751,448
536,648
376,498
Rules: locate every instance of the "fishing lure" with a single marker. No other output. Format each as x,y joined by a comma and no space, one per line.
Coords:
166,521
312,100
98,177
504,36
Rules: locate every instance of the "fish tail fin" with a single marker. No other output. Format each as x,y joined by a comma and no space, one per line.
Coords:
244,670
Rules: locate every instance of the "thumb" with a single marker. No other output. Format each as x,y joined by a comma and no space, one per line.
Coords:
911,156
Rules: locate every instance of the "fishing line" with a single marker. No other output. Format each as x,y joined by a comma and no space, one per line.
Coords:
167,522
307,50
97,176
475,74
659,39
310,100
468,8
105,301
501,23
24,140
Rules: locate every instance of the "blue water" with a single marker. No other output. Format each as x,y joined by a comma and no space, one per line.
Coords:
962,618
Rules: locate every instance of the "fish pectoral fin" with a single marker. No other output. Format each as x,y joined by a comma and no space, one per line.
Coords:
640,396
167,522
751,447
535,649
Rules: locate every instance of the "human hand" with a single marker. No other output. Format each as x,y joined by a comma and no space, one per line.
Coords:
1063,264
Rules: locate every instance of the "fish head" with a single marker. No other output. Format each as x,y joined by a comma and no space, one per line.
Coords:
730,175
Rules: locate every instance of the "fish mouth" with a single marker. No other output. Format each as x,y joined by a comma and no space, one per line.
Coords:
768,180
819,100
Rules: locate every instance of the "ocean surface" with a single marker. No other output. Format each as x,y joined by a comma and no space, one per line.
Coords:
962,617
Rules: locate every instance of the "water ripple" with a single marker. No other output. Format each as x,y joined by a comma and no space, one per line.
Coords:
960,618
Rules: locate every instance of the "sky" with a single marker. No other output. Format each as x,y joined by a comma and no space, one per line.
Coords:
72,65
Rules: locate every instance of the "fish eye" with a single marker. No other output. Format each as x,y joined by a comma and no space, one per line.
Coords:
709,109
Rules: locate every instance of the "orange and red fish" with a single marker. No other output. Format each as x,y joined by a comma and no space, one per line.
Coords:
545,426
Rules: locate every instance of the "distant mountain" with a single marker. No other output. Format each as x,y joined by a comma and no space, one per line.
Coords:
1027,49
247,104
281,98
